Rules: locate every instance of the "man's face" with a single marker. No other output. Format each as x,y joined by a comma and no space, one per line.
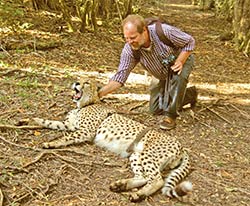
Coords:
133,37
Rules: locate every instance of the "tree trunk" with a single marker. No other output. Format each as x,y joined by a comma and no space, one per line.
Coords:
128,8
206,4
84,11
242,25
66,15
93,14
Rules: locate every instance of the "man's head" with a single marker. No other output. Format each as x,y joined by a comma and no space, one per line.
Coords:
135,31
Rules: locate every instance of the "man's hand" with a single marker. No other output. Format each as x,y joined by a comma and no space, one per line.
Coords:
108,88
177,67
180,61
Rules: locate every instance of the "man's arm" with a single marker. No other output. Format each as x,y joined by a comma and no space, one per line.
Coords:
108,88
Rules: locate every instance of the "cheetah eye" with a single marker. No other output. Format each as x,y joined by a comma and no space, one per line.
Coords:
86,84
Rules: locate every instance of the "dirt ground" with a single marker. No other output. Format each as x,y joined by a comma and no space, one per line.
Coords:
36,83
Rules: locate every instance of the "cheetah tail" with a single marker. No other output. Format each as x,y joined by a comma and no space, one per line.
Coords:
171,187
181,189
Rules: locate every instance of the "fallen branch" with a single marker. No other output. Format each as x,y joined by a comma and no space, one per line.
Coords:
2,126
35,45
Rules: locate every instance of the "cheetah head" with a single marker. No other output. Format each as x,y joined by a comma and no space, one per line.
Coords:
86,93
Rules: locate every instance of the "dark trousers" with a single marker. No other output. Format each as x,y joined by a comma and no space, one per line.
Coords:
168,96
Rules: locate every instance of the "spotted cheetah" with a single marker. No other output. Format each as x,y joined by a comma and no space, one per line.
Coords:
148,150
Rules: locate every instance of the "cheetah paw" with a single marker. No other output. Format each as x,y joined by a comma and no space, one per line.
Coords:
47,145
118,186
135,197
39,121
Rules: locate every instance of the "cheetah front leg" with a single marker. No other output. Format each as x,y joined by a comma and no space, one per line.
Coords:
137,181
69,124
76,137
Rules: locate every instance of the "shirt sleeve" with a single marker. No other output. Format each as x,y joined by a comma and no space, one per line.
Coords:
127,64
179,38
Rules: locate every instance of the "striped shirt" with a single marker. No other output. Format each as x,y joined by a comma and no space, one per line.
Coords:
151,59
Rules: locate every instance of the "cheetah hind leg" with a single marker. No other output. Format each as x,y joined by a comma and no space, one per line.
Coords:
150,188
127,184
137,181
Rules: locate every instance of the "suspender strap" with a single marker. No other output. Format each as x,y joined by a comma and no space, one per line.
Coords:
161,35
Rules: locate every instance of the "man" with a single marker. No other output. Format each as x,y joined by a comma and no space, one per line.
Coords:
168,90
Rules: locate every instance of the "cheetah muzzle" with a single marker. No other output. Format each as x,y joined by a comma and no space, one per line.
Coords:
149,155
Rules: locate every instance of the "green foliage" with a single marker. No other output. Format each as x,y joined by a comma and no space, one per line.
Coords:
11,16
225,7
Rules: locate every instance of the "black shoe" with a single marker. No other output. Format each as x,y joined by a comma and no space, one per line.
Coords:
190,97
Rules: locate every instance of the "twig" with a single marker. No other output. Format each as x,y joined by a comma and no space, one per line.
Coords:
34,192
241,112
37,158
202,123
53,152
207,107
223,118
65,197
127,112
13,169
141,104
10,111
72,167
4,50
20,146
71,150
2,126
71,160
52,105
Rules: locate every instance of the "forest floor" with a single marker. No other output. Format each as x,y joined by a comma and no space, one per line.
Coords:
36,83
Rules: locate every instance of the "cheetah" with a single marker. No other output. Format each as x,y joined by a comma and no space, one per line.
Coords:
148,150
